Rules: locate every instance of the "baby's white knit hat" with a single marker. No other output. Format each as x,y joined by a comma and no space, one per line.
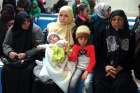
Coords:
52,33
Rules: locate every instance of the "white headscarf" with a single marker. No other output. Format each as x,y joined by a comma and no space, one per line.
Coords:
102,9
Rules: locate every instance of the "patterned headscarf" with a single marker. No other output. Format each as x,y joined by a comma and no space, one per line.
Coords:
102,9
65,31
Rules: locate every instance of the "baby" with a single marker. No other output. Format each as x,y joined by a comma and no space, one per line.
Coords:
57,47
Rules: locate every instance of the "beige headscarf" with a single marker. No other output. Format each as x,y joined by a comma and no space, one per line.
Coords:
65,31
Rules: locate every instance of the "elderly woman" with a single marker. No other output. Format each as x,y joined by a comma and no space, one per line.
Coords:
113,73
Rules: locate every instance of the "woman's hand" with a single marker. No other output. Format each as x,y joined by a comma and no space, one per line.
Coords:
13,55
21,56
111,71
84,75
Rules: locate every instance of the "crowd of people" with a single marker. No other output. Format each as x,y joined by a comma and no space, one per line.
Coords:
89,49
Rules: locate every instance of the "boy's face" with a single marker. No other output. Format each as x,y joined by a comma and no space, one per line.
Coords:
117,22
53,39
82,40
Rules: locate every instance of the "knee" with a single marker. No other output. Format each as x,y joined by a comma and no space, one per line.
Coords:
88,83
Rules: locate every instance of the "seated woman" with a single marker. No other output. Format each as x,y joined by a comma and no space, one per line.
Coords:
18,46
113,75
64,25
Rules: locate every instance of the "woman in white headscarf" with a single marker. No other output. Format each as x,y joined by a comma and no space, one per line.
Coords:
100,20
102,10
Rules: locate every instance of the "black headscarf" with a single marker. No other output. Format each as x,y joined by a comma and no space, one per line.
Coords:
22,40
120,13
124,33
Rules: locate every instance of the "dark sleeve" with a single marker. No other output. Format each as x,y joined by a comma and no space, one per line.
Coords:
131,51
7,43
127,58
136,24
37,39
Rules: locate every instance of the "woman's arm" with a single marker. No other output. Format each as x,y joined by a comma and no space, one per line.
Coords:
7,43
37,39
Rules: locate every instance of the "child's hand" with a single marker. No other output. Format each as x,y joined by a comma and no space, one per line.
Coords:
84,75
13,55
22,56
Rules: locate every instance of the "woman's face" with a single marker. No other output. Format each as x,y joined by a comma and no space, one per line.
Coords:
117,22
63,18
82,40
85,13
109,12
26,24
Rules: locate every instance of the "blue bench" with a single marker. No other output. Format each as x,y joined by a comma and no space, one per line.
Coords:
44,19
131,21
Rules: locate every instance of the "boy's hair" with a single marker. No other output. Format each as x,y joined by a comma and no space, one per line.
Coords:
139,6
